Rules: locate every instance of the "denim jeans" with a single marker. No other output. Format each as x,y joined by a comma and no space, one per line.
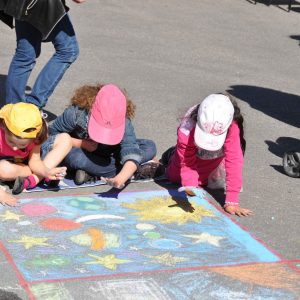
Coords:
47,146
108,166
74,120
29,41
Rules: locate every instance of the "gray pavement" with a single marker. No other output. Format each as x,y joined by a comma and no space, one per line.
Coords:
171,54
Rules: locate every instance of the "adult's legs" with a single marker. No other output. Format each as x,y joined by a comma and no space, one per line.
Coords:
28,49
66,47
91,162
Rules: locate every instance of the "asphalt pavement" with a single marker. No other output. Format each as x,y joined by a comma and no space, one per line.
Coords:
169,55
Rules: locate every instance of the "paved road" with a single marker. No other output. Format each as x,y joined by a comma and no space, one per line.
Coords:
170,55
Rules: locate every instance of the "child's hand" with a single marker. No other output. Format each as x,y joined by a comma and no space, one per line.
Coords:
237,210
191,191
57,173
188,190
114,182
89,145
7,199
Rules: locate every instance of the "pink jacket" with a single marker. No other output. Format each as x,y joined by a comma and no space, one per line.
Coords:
188,169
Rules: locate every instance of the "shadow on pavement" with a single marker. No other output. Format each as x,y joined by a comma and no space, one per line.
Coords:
282,4
282,144
276,104
295,37
5,295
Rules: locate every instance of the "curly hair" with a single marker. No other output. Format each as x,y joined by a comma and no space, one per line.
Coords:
85,96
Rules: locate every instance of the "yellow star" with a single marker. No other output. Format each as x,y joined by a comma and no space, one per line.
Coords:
167,259
206,238
11,216
30,241
108,261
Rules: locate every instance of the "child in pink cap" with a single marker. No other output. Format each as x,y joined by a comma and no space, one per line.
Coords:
104,141
210,147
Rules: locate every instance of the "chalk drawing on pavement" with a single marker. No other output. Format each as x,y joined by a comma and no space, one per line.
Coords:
69,237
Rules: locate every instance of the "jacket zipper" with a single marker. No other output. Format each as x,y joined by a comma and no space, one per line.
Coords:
30,6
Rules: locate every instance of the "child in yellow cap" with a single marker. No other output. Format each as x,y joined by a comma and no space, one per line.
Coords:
22,131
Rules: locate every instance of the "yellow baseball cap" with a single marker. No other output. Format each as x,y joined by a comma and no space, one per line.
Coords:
19,117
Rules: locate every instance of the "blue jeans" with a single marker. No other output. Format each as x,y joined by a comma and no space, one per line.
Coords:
47,146
29,41
108,166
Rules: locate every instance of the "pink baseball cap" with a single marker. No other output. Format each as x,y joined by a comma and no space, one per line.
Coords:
108,116
215,114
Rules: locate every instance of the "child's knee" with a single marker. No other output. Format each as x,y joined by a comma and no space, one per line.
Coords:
6,169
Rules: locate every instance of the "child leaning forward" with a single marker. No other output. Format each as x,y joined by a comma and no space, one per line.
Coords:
22,131
210,149
104,141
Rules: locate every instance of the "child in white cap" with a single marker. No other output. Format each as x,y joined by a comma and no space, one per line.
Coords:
104,141
22,131
210,139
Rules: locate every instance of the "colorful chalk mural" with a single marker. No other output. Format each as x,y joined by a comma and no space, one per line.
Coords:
102,236
272,281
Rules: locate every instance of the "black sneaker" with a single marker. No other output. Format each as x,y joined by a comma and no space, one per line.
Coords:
82,177
52,183
166,156
149,170
18,186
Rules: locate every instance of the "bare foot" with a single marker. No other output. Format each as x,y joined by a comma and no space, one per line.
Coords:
7,199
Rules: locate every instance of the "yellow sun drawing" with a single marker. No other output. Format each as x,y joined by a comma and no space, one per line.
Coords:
166,210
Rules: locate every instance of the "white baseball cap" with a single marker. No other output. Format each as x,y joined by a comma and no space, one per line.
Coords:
215,115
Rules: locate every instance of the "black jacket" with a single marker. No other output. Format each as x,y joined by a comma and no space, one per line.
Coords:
42,14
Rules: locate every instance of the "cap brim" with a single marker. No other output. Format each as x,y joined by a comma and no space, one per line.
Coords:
104,135
208,141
